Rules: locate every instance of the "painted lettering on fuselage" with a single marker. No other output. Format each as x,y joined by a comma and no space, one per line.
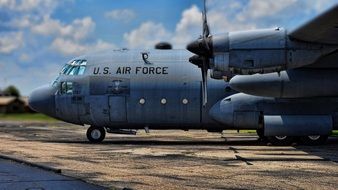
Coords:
131,70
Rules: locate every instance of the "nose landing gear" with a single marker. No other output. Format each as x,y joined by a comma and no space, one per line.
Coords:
96,134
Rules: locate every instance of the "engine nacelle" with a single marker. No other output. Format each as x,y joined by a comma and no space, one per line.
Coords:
295,83
263,51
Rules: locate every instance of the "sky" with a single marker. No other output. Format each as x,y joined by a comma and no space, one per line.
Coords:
37,37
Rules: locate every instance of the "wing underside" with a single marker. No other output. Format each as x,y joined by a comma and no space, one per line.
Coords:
322,29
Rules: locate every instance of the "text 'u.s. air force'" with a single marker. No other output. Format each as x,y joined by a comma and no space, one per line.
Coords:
131,70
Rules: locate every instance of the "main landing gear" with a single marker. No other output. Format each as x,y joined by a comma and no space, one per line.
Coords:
288,140
96,134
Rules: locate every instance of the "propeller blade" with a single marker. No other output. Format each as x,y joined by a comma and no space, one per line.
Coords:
206,31
204,70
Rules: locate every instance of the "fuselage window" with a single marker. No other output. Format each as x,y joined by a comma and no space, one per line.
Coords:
67,88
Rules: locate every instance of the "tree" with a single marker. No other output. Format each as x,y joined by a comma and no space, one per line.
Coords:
12,91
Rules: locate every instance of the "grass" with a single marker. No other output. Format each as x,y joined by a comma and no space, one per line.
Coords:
335,133
26,117
247,131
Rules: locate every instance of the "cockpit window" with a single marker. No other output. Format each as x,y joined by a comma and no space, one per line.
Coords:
66,88
81,70
55,82
75,67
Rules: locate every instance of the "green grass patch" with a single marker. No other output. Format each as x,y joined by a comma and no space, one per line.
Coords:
247,131
26,117
335,133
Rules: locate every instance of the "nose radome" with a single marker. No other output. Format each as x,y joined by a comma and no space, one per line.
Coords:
42,100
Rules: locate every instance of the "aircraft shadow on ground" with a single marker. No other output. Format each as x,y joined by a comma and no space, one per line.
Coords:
325,152
164,142
152,142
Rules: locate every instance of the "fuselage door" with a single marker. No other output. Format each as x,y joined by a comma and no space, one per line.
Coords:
117,109
66,102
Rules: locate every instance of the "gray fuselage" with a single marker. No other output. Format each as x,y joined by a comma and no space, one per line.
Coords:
135,89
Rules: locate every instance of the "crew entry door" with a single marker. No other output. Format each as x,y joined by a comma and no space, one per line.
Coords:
117,109
66,102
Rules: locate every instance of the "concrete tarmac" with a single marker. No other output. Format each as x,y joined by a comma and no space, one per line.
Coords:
173,159
16,176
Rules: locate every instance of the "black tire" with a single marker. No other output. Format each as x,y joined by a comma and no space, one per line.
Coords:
281,140
314,139
96,134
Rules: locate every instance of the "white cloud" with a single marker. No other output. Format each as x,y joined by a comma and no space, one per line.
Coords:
259,9
71,39
124,15
188,28
78,29
7,3
41,7
71,47
146,35
10,41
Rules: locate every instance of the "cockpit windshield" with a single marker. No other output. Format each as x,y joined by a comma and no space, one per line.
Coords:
75,67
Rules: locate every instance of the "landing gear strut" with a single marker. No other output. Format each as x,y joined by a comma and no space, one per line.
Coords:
260,133
96,134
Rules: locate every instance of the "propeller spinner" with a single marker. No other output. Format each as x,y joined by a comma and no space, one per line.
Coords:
202,48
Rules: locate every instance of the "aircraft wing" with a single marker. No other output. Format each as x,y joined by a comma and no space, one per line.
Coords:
322,29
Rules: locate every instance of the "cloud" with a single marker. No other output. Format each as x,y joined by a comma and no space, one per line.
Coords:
78,29
7,3
70,47
11,41
124,15
12,73
71,39
146,35
188,28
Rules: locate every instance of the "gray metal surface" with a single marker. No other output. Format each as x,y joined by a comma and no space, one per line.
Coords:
297,125
295,83
15,176
109,92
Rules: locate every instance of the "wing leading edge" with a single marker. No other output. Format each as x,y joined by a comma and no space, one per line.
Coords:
322,29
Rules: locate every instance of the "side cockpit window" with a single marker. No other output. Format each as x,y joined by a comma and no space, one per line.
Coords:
66,88
75,67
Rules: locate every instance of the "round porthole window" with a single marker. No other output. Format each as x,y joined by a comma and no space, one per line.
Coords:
185,101
142,101
163,101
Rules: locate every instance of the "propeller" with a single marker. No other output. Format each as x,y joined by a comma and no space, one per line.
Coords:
202,48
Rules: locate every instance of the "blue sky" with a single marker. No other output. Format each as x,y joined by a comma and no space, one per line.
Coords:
38,36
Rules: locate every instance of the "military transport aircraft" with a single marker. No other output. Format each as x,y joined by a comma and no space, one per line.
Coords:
130,89
288,79
120,90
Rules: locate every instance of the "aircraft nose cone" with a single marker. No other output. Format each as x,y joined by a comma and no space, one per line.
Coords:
42,100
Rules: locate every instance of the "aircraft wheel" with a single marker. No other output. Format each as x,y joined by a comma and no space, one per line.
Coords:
314,139
96,134
281,140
